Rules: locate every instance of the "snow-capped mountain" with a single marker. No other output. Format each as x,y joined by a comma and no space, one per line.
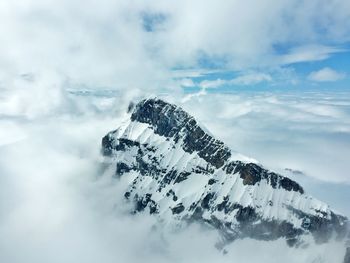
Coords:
178,171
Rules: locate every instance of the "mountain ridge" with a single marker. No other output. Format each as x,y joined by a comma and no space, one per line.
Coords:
181,173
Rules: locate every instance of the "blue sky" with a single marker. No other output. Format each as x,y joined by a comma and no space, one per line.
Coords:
267,44
324,73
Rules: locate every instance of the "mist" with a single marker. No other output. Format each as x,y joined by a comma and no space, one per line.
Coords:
58,203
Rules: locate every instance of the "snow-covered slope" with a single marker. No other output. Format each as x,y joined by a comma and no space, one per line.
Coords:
178,171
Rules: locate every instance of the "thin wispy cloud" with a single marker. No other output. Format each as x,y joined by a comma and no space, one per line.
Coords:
242,80
326,75
309,53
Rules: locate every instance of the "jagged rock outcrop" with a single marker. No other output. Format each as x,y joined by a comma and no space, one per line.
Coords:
181,173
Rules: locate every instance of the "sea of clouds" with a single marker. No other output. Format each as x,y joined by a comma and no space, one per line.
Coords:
58,204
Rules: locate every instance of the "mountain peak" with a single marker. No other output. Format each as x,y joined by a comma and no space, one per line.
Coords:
172,121
181,173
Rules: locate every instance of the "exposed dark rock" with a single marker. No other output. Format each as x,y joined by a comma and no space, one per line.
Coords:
107,145
169,120
290,185
246,215
145,201
206,200
122,168
252,173
127,195
178,209
182,177
211,181
223,204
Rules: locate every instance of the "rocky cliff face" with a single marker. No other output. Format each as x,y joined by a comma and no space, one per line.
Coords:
180,173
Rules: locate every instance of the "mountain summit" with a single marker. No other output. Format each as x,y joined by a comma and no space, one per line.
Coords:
179,172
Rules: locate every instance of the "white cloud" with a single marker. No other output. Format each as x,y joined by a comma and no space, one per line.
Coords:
205,84
309,53
243,80
247,36
187,82
57,206
326,74
252,78
105,44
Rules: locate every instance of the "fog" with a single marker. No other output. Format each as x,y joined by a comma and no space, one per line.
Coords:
58,204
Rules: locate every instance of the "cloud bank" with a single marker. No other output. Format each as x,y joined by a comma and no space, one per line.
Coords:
59,205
